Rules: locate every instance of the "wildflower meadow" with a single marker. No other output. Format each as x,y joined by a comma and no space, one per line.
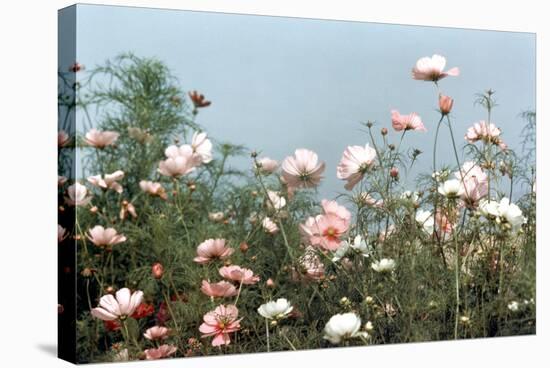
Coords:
181,254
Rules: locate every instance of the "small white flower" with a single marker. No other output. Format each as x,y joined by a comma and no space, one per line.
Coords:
426,220
513,306
343,326
275,310
215,216
369,326
121,356
411,196
384,265
451,188
440,175
341,251
275,201
269,226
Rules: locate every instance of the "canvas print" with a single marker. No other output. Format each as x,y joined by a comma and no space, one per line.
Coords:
246,184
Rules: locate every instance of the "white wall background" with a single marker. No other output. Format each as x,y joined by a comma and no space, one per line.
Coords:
28,82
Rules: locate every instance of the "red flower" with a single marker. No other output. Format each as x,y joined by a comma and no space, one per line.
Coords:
163,314
143,310
198,100
113,325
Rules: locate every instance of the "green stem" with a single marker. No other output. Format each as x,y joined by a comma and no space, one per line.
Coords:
239,293
267,334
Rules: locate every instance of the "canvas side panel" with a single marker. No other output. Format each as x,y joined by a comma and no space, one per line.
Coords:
66,334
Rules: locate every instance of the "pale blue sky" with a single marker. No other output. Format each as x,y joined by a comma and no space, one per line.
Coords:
281,83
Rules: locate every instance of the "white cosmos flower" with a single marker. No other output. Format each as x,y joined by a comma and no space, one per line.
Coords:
202,146
489,209
451,188
384,265
275,201
503,212
358,244
275,309
426,220
269,226
343,326
510,214
411,196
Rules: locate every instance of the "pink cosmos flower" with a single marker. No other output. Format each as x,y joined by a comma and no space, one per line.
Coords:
61,233
332,207
444,226
78,195
157,333
98,139
487,133
105,237
210,249
163,351
111,308
266,165
238,274
222,289
303,170
220,323
153,188
406,122
127,208
269,226
180,161
355,163
108,181
370,201
475,183
326,230
63,138
202,146
431,69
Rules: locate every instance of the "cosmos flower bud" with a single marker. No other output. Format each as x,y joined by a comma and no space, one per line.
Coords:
243,247
394,172
445,104
157,270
